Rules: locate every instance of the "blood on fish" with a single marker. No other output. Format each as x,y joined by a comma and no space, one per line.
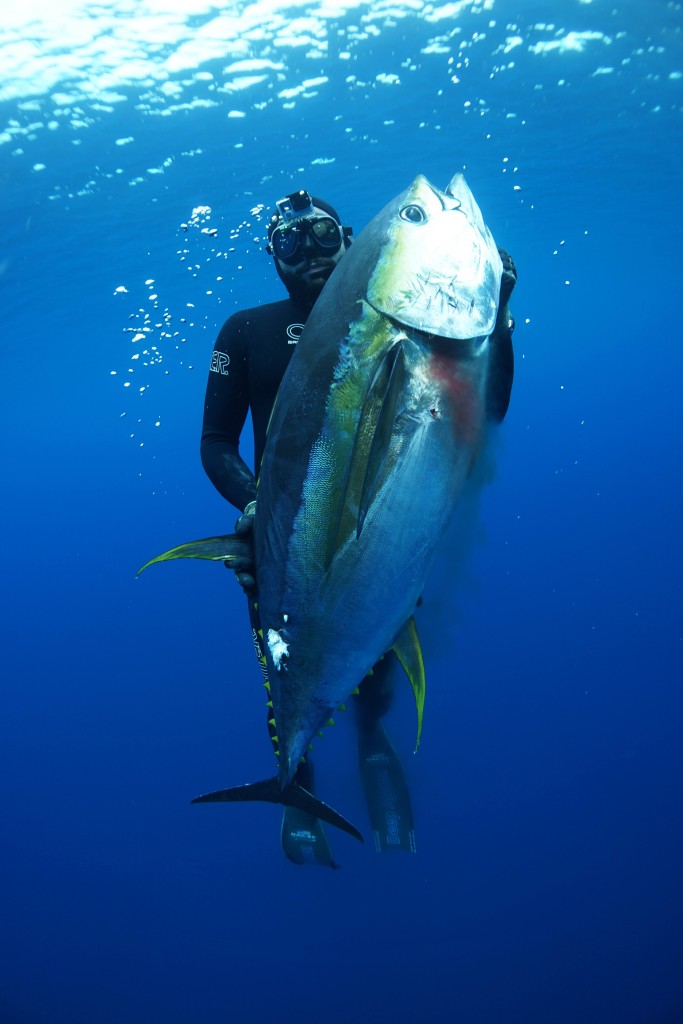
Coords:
464,399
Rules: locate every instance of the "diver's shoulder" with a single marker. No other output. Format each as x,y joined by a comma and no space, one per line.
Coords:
265,313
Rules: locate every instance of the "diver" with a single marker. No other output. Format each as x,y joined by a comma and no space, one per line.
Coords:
306,239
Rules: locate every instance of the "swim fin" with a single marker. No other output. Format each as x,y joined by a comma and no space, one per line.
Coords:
303,839
386,791
303,836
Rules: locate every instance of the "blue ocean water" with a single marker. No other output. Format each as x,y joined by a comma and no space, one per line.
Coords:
142,146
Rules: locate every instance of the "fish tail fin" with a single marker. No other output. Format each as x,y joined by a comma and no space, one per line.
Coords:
293,795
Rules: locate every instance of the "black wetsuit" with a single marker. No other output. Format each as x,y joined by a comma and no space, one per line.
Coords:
249,359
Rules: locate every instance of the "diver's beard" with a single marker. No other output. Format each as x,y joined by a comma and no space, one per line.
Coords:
304,291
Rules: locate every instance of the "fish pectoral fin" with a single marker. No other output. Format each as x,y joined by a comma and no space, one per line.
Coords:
293,795
371,441
387,385
408,651
229,548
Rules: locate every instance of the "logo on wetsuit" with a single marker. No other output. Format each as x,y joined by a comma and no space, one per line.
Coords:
294,333
220,362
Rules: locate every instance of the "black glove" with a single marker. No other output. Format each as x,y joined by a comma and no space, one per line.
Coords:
244,568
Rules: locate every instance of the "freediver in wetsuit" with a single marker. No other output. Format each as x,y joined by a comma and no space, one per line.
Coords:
306,239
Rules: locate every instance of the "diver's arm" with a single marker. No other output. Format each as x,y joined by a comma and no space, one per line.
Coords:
509,279
225,411
502,357
227,470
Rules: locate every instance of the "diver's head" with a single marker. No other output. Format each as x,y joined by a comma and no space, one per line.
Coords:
306,240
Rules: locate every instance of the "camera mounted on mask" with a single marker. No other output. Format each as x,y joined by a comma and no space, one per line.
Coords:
298,204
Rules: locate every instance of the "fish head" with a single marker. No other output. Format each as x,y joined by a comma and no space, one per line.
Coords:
439,270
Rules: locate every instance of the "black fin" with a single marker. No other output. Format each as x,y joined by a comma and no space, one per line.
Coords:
303,839
214,549
293,796
386,792
302,836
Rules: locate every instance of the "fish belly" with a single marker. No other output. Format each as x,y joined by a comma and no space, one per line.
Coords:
337,624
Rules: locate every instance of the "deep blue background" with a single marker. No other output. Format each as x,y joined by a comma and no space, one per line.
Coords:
547,885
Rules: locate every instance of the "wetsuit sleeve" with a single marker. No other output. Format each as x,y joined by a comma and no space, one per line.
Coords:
225,411
509,279
502,364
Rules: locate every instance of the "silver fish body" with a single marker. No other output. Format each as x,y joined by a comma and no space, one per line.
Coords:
378,421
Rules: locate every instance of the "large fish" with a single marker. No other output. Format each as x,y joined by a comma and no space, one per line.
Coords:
377,424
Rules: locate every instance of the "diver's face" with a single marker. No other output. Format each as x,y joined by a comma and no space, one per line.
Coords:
315,264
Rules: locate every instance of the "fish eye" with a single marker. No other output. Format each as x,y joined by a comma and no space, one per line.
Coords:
414,214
